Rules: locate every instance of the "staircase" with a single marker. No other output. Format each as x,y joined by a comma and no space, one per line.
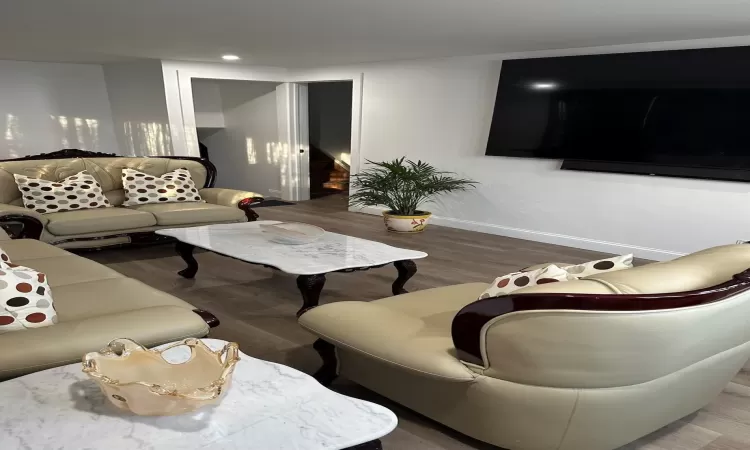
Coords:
338,178
327,176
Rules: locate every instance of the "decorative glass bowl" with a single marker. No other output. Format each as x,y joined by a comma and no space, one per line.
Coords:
143,382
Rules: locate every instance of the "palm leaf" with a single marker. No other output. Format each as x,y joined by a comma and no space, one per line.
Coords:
403,185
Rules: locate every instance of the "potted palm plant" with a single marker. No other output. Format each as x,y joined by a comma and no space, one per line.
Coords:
402,186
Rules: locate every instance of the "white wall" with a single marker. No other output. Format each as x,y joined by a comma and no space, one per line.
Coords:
178,76
45,107
330,111
139,111
246,151
207,103
440,111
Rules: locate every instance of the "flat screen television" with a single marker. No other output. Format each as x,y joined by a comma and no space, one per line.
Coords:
678,113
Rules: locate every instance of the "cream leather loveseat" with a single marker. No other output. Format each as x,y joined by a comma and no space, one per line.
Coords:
94,304
581,365
119,225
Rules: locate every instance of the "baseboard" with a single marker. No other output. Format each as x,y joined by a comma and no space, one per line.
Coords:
548,238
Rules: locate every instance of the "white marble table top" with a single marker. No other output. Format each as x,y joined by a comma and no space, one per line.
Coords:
330,253
268,406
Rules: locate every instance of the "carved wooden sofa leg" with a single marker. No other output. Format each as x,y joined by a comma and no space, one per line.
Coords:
329,370
245,205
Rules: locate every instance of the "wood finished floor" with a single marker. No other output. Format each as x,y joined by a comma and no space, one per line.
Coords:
256,307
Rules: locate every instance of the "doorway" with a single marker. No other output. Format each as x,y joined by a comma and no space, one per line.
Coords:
330,136
292,121
237,129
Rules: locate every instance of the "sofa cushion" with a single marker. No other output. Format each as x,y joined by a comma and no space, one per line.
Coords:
80,301
173,187
28,249
66,342
79,191
191,213
94,220
69,269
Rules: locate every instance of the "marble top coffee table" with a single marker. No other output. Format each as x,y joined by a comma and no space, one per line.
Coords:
311,262
268,406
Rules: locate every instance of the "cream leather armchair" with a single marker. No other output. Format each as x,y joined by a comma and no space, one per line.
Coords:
582,365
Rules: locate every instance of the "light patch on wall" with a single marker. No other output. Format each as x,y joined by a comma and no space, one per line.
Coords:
93,127
63,121
280,158
13,135
346,158
147,139
252,157
12,129
79,128
77,132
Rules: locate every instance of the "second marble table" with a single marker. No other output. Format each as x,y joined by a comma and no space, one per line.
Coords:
268,406
310,262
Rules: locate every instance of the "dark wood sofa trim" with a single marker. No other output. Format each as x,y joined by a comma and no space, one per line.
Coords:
21,226
211,320
466,328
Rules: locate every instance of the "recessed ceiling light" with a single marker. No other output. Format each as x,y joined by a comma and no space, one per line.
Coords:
230,57
543,85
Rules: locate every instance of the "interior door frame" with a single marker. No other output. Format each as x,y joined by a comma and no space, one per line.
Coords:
357,79
182,110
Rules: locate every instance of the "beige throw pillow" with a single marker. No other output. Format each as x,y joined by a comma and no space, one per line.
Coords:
517,280
600,266
142,188
25,299
79,191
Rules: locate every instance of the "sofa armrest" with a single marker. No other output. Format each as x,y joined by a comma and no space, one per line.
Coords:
233,198
21,223
386,335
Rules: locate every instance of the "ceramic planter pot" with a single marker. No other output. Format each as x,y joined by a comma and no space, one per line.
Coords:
415,223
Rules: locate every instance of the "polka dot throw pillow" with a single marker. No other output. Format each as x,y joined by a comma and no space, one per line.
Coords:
4,258
517,280
79,191
25,299
600,266
175,186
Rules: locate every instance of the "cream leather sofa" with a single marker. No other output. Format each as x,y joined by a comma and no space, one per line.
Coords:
94,305
119,225
582,365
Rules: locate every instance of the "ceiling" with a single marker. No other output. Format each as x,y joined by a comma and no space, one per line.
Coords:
300,33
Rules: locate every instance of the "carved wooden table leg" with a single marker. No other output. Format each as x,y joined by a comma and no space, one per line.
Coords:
329,370
186,252
310,287
406,269
372,445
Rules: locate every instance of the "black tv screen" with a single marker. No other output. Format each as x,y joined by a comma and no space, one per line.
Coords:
680,108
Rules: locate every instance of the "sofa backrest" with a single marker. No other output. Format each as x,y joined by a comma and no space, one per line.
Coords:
107,171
